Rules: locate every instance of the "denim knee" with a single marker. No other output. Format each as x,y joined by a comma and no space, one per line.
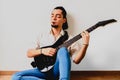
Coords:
15,76
63,51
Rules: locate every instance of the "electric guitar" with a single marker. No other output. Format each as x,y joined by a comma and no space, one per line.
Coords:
45,63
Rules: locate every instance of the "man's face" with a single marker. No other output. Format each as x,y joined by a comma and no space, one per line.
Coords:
57,19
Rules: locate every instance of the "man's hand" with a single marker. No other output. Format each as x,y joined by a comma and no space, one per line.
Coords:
85,37
49,51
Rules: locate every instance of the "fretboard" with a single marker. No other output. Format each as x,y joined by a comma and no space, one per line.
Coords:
77,37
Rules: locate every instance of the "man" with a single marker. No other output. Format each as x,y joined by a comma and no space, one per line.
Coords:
62,66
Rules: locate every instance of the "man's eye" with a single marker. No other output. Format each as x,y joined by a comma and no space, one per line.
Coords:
52,16
58,16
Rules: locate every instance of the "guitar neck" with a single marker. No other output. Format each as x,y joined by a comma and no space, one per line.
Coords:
77,37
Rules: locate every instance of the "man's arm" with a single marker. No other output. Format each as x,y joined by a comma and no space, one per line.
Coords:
33,52
81,53
46,51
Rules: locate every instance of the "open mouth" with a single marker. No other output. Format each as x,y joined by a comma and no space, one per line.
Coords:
53,23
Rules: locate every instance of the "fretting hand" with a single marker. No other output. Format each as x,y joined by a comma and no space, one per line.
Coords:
85,37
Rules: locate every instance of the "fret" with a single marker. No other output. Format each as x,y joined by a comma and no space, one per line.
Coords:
71,41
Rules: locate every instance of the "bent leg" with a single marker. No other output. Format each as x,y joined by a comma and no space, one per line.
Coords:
63,64
32,74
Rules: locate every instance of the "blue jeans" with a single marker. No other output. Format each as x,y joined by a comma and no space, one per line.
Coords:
62,68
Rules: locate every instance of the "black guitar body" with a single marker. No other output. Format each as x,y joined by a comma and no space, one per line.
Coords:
43,61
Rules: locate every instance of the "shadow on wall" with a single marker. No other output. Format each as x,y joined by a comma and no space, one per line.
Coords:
71,24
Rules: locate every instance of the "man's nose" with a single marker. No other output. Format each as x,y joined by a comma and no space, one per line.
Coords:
54,18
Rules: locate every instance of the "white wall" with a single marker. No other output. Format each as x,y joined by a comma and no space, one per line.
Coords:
22,20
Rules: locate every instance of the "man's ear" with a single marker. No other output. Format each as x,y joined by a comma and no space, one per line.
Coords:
65,20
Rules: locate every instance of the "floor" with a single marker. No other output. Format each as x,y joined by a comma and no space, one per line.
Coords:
8,77
5,77
84,76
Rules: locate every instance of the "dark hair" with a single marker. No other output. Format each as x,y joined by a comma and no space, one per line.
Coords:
65,25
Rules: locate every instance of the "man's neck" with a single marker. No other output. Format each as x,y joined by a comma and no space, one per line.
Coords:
56,31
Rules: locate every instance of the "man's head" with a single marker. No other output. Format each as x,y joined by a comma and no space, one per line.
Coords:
58,18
